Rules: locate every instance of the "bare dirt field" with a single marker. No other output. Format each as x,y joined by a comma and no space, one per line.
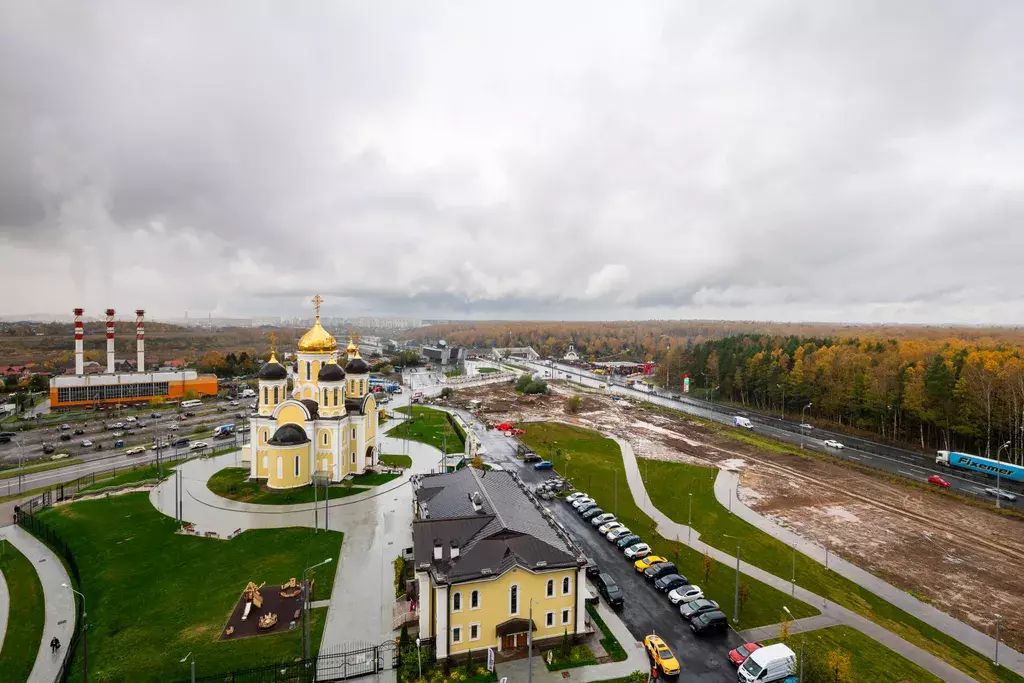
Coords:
962,558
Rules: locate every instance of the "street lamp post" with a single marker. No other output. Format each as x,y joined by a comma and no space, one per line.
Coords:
419,662
529,646
689,519
305,607
783,387
736,594
997,639
85,630
998,478
802,423
185,659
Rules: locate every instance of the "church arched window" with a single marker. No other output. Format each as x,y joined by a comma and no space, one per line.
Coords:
266,392
335,397
325,397
309,369
276,395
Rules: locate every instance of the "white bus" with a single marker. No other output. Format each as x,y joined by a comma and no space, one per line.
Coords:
191,404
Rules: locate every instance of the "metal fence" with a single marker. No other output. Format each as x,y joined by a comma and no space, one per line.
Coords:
352,661
42,531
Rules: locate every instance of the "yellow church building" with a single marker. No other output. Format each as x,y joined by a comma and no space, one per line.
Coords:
327,426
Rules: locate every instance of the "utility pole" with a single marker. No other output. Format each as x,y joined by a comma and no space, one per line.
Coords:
689,520
999,494
802,422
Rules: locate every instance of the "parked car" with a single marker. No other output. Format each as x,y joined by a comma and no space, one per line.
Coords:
544,465
670,582
572,497
592,569
79,431
938,481
190,414
656,571
604,518
592,512
233,403
613,535
86,443
531,457
580,502
178,443
629,541
198,445
643,564
661,656
740,654
130,432
684,594
586,506
708,623
65,426
637,551
155,415
832,443
692,609
47,448
609,590
611,526
65,437
140,424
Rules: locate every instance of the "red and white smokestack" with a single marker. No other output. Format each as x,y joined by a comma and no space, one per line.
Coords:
79,334
140,341
110,341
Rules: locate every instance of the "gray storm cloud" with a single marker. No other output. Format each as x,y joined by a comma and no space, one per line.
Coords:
831,161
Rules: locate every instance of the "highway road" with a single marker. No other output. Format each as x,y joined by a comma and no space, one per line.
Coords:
895,461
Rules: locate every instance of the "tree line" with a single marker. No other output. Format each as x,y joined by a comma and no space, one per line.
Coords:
936,394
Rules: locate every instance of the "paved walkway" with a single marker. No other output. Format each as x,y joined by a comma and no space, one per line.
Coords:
5,606
725,488
636,659
680,532
59,602
762,633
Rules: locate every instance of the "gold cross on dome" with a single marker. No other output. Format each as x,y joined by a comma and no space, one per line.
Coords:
317,300
273,342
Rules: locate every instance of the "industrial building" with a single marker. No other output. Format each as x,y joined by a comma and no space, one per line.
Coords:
83,390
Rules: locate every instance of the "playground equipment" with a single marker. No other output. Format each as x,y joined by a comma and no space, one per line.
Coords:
252,596
268,620
291,589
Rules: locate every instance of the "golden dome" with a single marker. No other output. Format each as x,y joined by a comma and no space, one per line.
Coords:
352,348
318,340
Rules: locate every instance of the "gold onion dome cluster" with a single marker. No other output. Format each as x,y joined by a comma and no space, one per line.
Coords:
318,340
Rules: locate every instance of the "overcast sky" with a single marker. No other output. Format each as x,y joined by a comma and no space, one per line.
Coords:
845,161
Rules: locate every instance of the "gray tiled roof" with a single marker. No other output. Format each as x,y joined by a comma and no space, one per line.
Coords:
507,530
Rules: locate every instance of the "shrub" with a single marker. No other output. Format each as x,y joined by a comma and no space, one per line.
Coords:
446,392
572,404
538,386
523,382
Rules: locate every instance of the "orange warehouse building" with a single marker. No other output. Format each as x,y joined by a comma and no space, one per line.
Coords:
83,391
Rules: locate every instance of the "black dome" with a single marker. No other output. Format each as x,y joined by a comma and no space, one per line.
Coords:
312,406
357,366
273,371
289,435
331,372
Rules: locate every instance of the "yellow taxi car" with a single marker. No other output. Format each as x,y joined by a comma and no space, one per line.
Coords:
661,655
643,564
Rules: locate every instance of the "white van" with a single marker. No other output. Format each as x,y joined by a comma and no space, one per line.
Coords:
767,664
740,421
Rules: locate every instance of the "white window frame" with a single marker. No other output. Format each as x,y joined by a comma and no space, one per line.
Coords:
458,607
456,634
474,625
280,467
518,600
266,464
549,619
566,616
564,591
474,594
549,589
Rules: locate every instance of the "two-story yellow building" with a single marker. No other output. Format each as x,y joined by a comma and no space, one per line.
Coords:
485,557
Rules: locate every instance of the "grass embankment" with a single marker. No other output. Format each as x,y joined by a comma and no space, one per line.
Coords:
128,477
154,596
9,472
670,483
396,460
870,661
429,426
593,462
484,371
232,483
25,617
610,643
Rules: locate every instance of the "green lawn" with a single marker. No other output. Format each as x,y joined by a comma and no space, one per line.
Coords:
871,662
430,426
669,485
396,460
593,462
579,655
127,477
153,595
610,643
484,371
232,483
8,472
25,618
453,373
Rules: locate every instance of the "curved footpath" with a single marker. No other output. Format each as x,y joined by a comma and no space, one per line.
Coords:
726,484
829,610
59,602
5,607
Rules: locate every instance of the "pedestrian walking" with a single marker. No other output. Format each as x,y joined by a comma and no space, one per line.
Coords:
54,645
